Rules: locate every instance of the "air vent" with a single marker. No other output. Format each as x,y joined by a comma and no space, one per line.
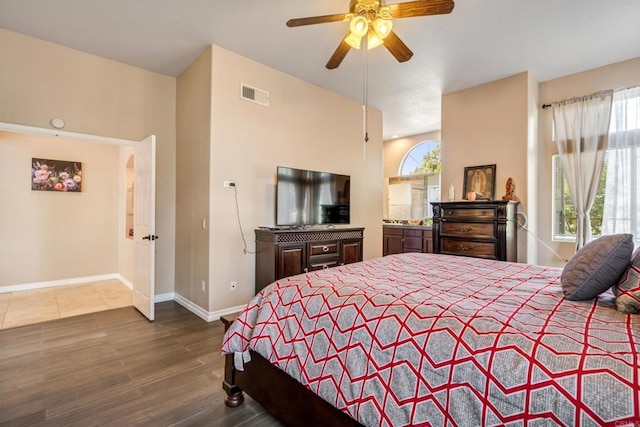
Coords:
253,94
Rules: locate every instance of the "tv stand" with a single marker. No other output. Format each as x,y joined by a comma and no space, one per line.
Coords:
282,253
301,227
279,227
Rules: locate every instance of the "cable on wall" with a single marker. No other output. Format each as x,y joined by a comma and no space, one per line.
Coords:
244,241
523,225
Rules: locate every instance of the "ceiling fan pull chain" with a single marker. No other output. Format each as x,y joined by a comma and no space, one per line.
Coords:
365,101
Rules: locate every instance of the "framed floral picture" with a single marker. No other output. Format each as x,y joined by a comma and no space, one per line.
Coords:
56,175
479,182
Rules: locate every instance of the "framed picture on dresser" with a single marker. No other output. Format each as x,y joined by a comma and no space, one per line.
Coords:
479,182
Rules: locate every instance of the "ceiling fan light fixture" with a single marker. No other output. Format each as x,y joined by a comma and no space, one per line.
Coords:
353,40
372,19
359,26
373,40
382,27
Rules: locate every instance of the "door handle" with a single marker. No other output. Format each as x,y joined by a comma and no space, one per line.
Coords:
151,237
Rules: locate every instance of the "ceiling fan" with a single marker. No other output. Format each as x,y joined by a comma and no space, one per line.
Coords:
371,18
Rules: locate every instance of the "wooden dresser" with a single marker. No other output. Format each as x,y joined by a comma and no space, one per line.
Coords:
283,253
482,229
398,239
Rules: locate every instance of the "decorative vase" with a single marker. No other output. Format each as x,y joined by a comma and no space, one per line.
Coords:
452,193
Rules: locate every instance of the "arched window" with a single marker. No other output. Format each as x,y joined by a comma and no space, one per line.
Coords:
417,183
422,159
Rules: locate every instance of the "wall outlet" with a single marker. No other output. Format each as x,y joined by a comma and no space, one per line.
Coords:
229,183
204,284
233,286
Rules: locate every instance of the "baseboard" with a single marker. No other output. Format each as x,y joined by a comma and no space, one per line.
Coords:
194,308
125,282
157,298
208,316
218,314
55,283
170,296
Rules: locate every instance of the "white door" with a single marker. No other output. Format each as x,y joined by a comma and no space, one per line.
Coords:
144,225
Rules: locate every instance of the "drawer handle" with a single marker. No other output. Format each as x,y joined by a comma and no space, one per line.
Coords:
464,230
325,266
464,248
325,249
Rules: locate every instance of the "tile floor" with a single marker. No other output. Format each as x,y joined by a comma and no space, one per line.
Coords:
40,305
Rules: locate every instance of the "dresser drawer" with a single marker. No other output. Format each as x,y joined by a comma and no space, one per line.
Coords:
322,264
469,248
326,248
475,213
393,231
410,232
469,229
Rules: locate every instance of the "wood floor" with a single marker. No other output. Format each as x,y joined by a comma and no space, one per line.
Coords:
116,368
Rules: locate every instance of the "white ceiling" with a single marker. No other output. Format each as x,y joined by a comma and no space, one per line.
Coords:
480,41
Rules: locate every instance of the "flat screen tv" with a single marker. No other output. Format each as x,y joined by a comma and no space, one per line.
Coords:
305,197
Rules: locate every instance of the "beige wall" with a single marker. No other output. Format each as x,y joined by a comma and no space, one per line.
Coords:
533,174
489,124
395,150
614,76
49,236
193,169
96,96
305,127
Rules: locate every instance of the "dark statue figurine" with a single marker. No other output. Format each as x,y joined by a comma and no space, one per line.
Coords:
511,188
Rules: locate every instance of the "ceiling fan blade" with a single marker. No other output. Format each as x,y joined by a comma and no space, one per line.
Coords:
298,22
421,8
338,55
397,47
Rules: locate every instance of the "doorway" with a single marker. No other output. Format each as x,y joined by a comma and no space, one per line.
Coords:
69,236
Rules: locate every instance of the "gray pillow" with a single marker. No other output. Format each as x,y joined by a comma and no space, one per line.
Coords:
628,288
596,267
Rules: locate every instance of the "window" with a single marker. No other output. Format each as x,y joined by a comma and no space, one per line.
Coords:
564,215
617,204
418,183
422,159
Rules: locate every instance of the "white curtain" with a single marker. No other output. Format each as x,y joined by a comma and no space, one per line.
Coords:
623,165
581,128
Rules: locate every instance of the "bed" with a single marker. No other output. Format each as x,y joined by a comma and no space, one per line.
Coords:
426,339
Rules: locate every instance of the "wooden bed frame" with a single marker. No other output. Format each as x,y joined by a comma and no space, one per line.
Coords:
281,395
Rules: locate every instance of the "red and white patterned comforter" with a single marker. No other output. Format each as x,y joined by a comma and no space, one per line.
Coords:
427,339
